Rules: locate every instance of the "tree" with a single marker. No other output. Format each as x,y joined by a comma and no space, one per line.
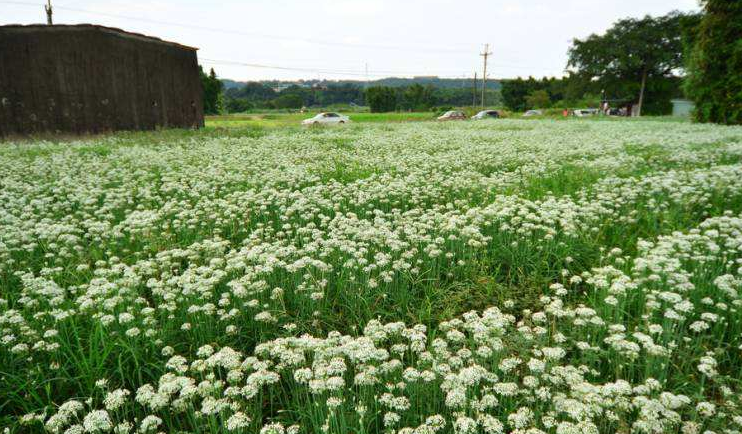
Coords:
514,93
288,101
418,97
295,93
537,99
632,53
576,86
431,91
714,79
381,99
237,105
340,94
522,94
212,91
255,92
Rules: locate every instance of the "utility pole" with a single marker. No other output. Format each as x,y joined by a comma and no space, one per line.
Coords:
474,90
366,75
486,54
48,8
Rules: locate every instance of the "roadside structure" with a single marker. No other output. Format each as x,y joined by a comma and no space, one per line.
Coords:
89,78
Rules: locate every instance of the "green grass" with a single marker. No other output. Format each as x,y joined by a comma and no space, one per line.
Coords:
279,120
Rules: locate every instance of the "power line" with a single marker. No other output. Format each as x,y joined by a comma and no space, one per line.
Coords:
376,72
283,68
252,34
314,70
280,37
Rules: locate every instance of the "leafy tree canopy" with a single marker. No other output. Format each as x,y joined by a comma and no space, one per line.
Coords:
538,99
632,53
715,65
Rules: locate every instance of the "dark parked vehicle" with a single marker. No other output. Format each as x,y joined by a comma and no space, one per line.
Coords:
486,114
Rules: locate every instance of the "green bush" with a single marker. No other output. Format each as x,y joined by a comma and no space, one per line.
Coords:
238,105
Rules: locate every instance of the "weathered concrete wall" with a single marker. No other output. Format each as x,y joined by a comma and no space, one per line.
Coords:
87,78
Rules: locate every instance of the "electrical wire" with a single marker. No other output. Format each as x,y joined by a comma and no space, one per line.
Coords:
319,70
376,73
312,41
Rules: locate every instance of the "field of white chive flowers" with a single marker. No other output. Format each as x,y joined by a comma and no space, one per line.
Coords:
499,277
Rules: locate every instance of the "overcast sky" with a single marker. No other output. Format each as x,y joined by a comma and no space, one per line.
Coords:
336,39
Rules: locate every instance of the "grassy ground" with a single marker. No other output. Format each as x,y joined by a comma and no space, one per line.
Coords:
277,120
259,124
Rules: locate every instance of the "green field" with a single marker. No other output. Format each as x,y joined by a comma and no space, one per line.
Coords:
277,120
510,276
273,120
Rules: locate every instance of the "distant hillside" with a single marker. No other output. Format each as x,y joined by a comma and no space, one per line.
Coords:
443,83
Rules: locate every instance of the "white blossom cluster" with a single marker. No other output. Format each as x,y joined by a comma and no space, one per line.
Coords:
274,284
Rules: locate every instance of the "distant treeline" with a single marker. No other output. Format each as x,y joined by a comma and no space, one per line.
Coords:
637,61
259,95
423,98
576,91
412,95
445,83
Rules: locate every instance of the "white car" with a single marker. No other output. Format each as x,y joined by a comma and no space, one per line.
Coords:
581,113
327,118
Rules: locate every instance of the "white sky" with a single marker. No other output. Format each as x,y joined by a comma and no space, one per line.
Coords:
335,39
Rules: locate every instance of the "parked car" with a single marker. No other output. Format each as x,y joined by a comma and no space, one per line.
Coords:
327,118
580,113
530,113
486,114
452,115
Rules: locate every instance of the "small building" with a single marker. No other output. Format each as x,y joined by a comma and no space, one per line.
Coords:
90,78
682,107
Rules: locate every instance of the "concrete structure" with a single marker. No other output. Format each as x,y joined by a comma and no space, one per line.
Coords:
682,107
88,78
